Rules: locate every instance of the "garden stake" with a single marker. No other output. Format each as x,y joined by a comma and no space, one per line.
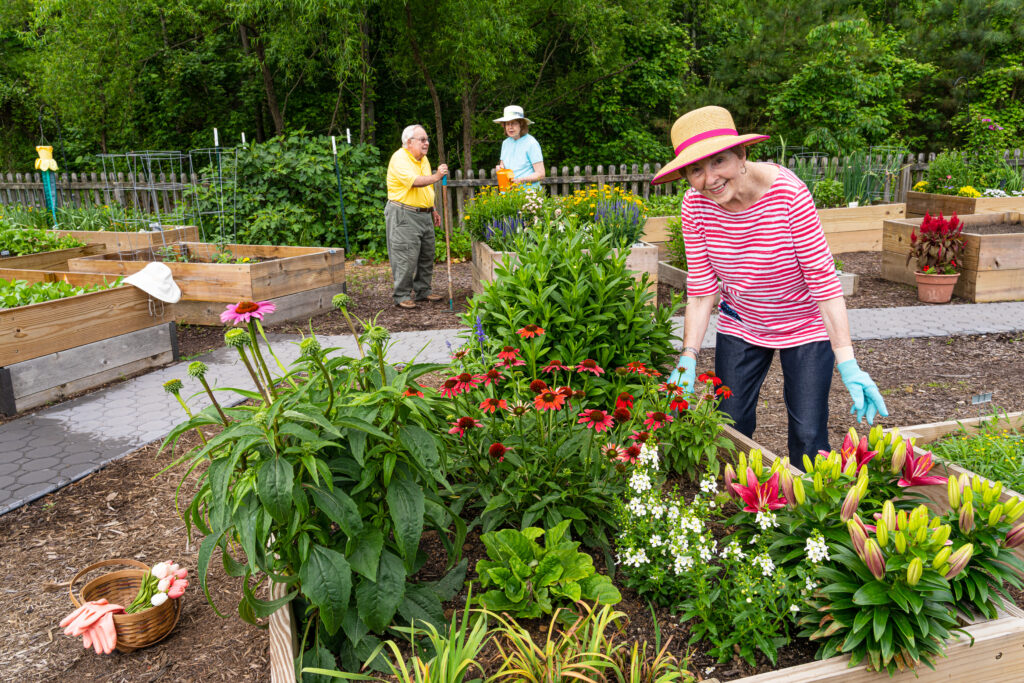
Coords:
447,241
341,200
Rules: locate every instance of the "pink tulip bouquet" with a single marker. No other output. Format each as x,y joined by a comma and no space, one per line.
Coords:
165,581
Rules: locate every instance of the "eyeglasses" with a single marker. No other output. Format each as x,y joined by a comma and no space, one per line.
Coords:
423,140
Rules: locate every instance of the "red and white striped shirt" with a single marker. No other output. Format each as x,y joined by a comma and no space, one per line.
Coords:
772,259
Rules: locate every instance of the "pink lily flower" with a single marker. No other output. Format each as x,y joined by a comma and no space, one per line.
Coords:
915,470
760,497
854,450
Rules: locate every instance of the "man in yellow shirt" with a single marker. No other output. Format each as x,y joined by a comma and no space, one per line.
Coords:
407,218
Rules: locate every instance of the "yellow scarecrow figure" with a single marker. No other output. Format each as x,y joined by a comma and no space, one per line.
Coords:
46,164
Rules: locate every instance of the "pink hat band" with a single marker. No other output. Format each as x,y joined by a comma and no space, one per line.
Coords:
704,136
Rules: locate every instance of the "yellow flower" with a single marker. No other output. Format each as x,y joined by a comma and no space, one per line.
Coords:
968,191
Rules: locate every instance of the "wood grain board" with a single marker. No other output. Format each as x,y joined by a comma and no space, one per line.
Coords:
919,203
124,241
297,307
51,260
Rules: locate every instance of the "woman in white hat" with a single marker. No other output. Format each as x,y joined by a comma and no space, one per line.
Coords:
520,152
753,227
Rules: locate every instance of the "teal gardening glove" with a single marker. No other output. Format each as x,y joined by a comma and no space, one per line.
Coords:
867,400
685,374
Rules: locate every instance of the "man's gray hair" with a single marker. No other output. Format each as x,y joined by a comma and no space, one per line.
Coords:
407,133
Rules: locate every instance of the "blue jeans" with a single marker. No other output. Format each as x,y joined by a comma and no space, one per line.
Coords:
806,381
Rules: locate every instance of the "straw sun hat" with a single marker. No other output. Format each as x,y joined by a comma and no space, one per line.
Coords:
513,112
700,134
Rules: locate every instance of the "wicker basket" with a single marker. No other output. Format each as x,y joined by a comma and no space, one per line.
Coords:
134,631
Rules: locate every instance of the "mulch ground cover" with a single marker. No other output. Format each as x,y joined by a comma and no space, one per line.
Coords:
123,511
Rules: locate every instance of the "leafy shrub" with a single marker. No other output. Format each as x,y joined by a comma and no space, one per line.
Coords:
286,193
666,204
829,194
531,580
581,293
14,293
948,172
20,241
615,211
676,245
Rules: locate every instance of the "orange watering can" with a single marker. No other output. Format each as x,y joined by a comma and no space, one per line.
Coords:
504,179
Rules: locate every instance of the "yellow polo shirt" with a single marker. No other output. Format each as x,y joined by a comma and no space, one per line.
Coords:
402,171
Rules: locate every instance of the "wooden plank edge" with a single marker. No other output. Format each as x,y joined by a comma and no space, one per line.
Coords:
283,639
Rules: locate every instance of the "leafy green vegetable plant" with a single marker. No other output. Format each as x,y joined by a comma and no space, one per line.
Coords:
21,241
14,293
530,579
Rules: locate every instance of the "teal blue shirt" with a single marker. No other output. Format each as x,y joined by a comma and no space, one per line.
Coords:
520,155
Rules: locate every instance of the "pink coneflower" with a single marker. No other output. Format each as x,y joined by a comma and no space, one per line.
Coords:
244,311
493,375
636,367
656,418
590,365
624,400
462,424
508,353
450,388
466,381
538,386
528,331
519,409
509,363
489,405
460,354
555,366
498,451
640,437
678,404
598,420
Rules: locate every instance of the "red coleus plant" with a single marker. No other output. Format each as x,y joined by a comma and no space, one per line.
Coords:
939,244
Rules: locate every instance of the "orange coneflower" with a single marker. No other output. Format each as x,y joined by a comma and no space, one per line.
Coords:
489,405
528,331
549,400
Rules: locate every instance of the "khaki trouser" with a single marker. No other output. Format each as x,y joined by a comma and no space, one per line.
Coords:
410,237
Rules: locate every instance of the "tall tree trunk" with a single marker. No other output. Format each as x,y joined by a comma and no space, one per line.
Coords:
268,79
439,131
366,122
468,108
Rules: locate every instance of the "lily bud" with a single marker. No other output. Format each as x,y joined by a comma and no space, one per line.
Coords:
819,485
857,535
976,484
934,523
914,571
882,534
808,464
901,519
966,495
874,559
850,469
862,484
786,482
899,457
988,494
853,435
798,491
1014,537
837,466
741,468
756,462
900,541
967,517
850,504
889,515
730,477
874,435
941,557
998,488
941,535
918,518
921,534
1014,511
995,515
959,559
953,493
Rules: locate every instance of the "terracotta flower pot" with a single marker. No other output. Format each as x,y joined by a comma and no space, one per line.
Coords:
934,288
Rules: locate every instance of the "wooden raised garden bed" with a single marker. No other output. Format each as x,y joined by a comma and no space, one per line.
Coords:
56,260
300,280
642,258
919,203
993,260
125,241
56,348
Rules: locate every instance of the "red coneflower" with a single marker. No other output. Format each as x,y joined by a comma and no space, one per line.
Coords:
579,393
567,392
489,405
549,400
632,453
409,391
528,331
622,414
459,355
508,353
467,381
671,388
624,400
651,372
724,392
705,377
656,418
590,365
598,420
462,424
450,388
510,363
538,386
636,367
493,375
678,404
640,437
555,366
498,451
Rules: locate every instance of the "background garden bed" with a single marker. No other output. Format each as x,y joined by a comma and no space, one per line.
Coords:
300,280
56,260
993,258
125,241
919,203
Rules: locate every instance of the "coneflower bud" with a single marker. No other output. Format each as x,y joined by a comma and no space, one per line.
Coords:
197,369
850,504
995,515
173,386
341,301
941,557
914,571
379,334
959,559
953,493
309,347
1014,537
798,491
236,338
874,559
889,515
967,517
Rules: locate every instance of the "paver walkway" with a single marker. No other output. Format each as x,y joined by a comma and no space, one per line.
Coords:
44,451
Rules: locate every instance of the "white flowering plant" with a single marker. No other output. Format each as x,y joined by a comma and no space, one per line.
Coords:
731,589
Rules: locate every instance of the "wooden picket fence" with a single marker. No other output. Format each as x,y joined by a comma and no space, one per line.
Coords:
146,194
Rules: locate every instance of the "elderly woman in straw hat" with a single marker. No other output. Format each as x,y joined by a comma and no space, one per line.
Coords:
752,226
520,152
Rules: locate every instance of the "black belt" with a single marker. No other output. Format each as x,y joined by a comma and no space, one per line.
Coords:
410,208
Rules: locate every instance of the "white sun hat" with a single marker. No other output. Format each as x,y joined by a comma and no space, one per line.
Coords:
157,281
513,112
